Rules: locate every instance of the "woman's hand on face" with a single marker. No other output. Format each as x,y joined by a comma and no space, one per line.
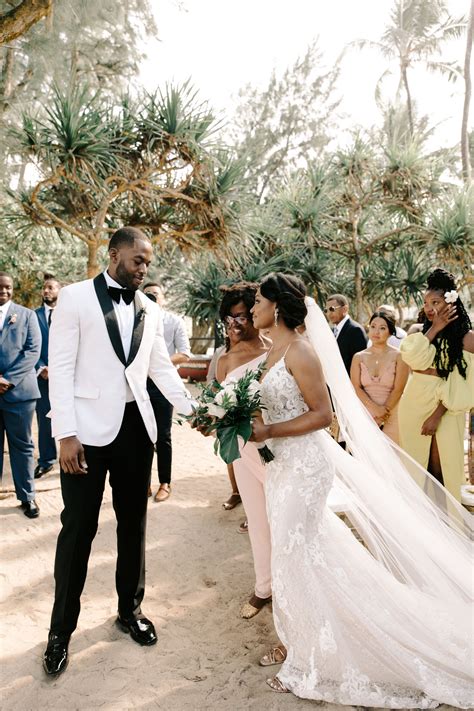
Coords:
259,430
445,315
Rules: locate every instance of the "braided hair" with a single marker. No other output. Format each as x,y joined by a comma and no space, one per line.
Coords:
449,342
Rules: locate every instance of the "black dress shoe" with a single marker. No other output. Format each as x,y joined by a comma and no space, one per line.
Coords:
141,630
30,509
55,658
39,470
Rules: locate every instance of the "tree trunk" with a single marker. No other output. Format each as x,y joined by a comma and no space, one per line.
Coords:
409,102
6,79
465,156
358,287
17,22
92,261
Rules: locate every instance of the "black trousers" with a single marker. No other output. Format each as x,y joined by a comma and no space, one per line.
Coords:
163,410
128,460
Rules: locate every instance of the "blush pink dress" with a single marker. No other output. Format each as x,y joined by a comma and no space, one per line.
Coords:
250,476
379,388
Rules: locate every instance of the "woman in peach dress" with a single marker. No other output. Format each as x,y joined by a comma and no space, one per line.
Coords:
379,375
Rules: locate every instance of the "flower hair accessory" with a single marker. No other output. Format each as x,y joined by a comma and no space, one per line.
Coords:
451,296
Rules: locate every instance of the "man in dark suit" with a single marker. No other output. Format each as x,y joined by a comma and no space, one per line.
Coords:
46,442
351,337
20,343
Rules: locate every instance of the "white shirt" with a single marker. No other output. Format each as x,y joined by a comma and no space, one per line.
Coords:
174,332
125,314
338,328
3,313
47,309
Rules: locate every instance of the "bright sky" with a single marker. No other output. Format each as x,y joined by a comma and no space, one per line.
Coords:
224,44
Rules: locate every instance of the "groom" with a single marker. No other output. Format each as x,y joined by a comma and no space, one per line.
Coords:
106,339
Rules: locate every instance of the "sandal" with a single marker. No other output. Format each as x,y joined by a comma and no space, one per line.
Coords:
253,606
276,685
233,500
244,527
276,655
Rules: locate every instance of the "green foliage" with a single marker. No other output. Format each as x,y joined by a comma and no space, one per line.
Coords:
149,163
289,122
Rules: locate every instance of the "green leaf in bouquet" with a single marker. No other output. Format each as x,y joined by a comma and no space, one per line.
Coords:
228,444
244,429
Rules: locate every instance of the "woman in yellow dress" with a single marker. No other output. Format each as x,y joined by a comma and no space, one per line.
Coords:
440,390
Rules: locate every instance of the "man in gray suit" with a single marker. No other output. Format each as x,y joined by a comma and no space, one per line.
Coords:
20,345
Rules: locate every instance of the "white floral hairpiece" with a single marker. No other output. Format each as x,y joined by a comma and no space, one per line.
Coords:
451,296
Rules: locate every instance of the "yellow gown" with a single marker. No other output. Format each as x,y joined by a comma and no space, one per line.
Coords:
420,399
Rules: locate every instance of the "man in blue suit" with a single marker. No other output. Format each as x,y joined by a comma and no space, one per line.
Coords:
46,442
20,345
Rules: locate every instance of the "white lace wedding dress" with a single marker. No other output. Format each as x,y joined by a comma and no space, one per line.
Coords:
355,634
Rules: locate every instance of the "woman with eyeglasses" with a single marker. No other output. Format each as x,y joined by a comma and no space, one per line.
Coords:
379,374
248,352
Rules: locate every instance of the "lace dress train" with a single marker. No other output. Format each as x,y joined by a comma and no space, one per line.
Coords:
355,634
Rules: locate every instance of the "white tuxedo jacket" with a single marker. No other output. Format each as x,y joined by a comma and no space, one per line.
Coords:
87,367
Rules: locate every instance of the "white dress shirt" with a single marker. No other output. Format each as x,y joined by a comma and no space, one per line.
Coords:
338,328
3,313
174,332
125,314
47,310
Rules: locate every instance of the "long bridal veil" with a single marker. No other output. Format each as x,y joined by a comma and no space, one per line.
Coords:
407,520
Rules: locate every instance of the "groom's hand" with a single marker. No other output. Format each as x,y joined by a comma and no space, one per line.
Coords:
71,456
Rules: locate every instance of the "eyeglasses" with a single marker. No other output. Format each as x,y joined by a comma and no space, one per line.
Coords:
241,320
332,309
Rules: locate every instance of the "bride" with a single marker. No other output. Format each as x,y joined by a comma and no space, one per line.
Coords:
385,624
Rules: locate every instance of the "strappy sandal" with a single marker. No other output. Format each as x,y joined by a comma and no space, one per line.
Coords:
244,527
233,500
276,685
276,655
253,606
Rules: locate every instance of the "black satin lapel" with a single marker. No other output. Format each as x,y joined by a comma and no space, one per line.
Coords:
138,327
107,306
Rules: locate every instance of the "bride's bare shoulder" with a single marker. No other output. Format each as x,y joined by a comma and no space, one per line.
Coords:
301,352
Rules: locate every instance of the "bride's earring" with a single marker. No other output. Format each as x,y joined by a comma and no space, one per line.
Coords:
275,316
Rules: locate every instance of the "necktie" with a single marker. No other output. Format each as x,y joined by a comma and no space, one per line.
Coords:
49,317
115,293
334,330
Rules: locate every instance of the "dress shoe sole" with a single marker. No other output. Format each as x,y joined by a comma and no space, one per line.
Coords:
136,639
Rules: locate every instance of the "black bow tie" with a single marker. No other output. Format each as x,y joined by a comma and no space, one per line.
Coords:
115,293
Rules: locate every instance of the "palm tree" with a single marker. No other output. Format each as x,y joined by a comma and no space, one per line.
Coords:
416,33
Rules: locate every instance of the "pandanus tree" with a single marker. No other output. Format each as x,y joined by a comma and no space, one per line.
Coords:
369,200
147,163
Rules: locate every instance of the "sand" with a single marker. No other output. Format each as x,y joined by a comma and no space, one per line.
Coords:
199,572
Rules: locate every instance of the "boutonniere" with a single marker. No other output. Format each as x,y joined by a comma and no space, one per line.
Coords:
142,313
12,319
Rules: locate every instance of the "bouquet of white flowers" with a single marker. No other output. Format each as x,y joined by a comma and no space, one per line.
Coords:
228,410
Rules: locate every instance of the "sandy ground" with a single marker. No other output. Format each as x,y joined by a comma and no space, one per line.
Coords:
199,572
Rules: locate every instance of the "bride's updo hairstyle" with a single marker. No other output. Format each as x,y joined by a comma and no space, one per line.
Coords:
449,342
288,293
